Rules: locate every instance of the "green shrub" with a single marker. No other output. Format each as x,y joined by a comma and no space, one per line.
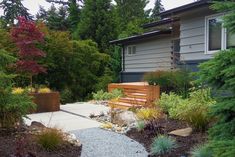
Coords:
13,107
101,95
194,110
50,138
66,96
201,151
162,145
168,101
170,81
222,147
140,125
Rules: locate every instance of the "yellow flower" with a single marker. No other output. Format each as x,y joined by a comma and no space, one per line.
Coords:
17,90
44,90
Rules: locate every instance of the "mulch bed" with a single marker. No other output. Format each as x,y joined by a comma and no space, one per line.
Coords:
23,144
184,144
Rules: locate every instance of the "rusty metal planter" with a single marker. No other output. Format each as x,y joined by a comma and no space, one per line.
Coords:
46,102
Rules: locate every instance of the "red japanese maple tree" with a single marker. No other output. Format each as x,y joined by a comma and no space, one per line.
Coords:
26,35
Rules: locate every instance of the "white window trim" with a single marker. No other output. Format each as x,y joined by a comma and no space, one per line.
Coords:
223,34
127,53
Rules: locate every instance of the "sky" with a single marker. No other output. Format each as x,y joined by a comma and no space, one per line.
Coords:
33,5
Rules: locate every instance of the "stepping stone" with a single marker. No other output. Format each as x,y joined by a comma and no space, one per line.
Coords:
182,132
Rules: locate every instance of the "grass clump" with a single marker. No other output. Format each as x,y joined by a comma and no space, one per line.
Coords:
140,125
162,144
50,139
148,114
201,151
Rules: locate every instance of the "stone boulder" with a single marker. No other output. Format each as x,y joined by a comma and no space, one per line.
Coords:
36,126
182,132
124,118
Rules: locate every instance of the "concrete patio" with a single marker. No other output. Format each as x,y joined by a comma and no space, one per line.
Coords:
70,117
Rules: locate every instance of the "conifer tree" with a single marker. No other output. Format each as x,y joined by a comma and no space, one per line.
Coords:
97,23
219,74
13,9
74,11
158,8
55,19
131,15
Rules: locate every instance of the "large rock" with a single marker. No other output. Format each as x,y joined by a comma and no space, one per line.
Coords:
181,132
124,118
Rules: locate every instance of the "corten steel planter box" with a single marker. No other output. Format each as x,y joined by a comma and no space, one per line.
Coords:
46,102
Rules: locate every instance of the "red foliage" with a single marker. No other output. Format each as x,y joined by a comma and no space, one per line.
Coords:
26,35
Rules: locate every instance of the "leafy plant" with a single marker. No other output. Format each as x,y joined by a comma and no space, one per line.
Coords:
168,101
50,138
148,114
101,95
170,81
194,110
140,125
201,151
162,144
197,109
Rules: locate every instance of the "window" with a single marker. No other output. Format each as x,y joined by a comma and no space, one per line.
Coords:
217,37
131,50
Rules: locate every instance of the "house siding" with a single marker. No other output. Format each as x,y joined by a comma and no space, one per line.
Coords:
192,37
151,55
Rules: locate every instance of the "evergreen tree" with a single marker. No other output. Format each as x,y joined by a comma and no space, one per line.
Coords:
97,23
130,10
158,8
41,14
74,11
13,9
219,74
54,19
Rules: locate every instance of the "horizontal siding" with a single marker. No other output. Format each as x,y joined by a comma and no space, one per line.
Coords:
192,38
150,56
195,56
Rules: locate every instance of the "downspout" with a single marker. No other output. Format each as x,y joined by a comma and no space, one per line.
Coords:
123,58
123,62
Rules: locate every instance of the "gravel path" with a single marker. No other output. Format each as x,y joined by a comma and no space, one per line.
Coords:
97,142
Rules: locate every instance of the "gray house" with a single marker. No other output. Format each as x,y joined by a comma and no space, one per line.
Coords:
187,36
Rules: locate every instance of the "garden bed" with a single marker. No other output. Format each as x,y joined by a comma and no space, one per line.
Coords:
24,142
185,144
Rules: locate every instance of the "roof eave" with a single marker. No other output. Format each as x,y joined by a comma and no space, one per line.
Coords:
184,8
140,37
